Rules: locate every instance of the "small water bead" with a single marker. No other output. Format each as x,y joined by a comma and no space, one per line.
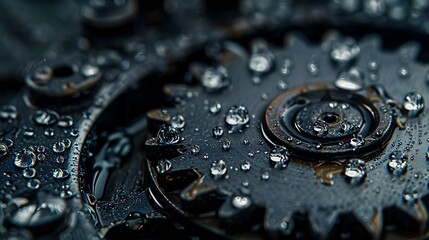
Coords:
178,121
398,163
218,168
41,157
282,85
29,172
45,117
163,166
404,72
351,80
237,117
313,66
279,157
66,193
410,197
265,176
241,202
65,121
217,132
226,144
58,147
33,183
67,142
74,132
355,171
195,149
25,159
8,112
287,67
89,70
245,166
168,135
49,132
4,150
357,141
59,159
214,79
414,104
215,108
28,131
60,173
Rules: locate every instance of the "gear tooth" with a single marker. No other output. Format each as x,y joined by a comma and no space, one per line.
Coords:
199,197
371,220
240,213
296,40
323,222
409,219
409,51
277,227
371,42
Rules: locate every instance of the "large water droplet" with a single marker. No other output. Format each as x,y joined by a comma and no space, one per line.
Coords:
4,150
89,70
355,171
8,112
398,163
226,144
214,79
279,157
215,108
344,51
45,117
414,104
135,220
218,168
65,121
58,147
168,135
245,166
261,63
357,141
195,150
29,172
25,159
237,117
351,80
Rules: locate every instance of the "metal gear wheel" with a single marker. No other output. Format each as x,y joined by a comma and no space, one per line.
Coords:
302,141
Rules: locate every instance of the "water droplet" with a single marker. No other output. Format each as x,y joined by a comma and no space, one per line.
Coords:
214,79
414,104
65,121
215,108
351,80
282,85
34,183
168,135
4,150
287,67
265,176
59,173
178,121
89,70
163,166
59,159
41,157
374,7
49,132
28,132
135,220
237,117
261,63
320,127
357,141
67,142
398,163
217,132
195,150
25,159
7,141
58,147
279,157
218,168
245,166
410,197
226,144
313,66
29,172
45,117
344,51
241,202
404,72
355,171
8,112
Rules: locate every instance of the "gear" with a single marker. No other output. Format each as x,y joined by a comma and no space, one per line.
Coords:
301,142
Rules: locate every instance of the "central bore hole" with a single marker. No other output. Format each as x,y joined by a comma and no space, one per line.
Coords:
330,117
63,71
